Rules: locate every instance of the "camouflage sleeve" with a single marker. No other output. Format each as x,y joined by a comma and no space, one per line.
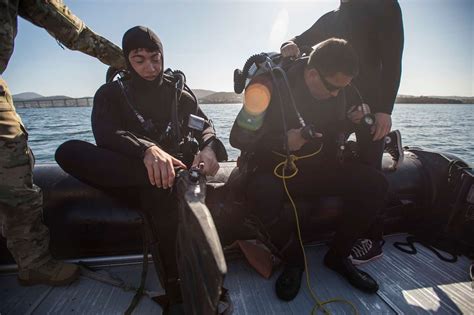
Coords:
8,23
56,18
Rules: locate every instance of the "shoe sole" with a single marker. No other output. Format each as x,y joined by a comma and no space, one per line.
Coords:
360,262
29,283
399,148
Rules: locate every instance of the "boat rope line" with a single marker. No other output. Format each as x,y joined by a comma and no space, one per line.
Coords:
107,278
141,289
291,160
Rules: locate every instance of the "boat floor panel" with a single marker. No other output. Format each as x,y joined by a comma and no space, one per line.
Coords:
409,284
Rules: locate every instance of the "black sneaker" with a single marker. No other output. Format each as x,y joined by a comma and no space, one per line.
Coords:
356,277
288,283
365,250
393,145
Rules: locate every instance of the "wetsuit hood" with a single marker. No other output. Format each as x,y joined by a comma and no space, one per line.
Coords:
355,2
142,37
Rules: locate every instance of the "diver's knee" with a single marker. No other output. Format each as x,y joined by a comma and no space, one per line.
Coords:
69,151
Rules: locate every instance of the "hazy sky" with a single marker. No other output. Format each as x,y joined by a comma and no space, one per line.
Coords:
209,39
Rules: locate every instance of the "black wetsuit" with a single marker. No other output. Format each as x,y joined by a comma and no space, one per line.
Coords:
363,188
116,127
375,30
116,163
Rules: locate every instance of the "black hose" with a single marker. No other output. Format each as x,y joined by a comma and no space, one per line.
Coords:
409,248
283,116
241,76
181,81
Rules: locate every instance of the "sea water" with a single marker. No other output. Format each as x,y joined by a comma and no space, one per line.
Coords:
439,127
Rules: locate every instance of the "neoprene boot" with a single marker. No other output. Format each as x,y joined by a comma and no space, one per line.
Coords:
53,272
356,277
288,283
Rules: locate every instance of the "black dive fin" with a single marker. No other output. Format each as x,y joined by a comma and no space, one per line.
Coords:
200,258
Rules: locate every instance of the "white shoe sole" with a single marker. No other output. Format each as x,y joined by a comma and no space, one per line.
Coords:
360,262
400,148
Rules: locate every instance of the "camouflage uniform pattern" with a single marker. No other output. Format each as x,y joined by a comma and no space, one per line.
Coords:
58,20
20,200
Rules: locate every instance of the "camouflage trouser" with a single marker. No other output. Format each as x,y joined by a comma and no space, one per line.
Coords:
20,200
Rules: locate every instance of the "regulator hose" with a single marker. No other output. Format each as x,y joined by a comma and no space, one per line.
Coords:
241,75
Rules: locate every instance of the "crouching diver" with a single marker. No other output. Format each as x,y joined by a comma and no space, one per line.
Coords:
285,162
145,128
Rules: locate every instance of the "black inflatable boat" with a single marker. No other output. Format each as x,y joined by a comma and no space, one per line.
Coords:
429,191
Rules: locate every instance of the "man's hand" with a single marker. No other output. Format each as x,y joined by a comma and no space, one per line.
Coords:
160,167
295,139
290,50
383,124
355,114
208,158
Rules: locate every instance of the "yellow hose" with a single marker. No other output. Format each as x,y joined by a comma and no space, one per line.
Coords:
282,165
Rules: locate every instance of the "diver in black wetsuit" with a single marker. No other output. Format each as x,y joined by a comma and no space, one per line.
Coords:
320,86
375,30
139,155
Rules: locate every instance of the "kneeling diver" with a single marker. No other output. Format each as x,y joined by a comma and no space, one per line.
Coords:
272,132
142,137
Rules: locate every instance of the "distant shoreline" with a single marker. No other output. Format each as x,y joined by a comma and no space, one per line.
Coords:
219,98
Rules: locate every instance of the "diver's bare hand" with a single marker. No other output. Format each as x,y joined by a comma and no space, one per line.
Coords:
355,114
383,124
207,157
295,139
160,167
290,50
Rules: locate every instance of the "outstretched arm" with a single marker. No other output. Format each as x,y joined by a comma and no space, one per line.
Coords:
312,36
56,18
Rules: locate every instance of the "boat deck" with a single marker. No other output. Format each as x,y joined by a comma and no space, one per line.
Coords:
409,284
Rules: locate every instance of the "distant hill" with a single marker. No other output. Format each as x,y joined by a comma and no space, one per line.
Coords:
408,99
26,96
52,98
221,98
31,96
202,93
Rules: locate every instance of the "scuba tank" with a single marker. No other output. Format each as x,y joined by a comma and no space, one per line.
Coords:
275,65
254,66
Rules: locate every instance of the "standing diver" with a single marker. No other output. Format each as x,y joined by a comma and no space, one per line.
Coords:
282,160
136,124
21,201
375,29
